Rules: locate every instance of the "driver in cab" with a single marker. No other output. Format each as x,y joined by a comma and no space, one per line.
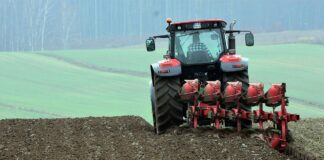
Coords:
198,51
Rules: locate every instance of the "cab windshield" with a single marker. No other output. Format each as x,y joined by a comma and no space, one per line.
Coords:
198,46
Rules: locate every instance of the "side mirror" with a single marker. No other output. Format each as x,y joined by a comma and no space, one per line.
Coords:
150,44
249,39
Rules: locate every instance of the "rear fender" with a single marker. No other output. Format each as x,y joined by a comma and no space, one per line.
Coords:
166,68
233,63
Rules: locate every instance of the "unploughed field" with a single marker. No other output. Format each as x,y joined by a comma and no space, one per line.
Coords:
113,82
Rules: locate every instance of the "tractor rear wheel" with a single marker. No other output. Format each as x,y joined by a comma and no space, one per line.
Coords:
241,76
152,93
168,109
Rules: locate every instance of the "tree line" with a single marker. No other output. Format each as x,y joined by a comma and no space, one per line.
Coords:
33,25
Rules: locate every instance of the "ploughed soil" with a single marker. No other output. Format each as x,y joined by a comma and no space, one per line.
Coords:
308,137
132,137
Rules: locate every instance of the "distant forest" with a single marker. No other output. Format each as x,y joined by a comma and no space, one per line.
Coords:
32,25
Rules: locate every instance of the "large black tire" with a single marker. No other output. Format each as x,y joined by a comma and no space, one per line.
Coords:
242,76
168,110
153,105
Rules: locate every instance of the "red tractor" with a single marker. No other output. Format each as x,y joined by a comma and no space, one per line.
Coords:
203,82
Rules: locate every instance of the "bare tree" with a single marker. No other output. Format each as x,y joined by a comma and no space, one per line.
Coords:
30,25
68,19
44,23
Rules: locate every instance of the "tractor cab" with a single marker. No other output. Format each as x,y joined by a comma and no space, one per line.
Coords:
199,41
200,46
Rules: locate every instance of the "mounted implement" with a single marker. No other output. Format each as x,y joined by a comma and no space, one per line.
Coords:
202,82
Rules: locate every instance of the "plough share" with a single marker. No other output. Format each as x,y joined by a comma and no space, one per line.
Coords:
208,102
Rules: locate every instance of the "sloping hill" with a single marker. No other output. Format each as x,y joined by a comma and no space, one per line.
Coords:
299,65
34,86
112,82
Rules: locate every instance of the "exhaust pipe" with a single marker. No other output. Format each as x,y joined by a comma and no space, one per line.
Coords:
231,39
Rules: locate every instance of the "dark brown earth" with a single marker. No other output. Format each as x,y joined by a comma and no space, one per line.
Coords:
308,137
125,137
121,138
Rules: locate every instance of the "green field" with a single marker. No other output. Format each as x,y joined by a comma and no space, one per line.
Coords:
35,86
71,85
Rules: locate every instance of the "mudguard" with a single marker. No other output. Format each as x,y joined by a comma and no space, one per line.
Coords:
233,63
167,67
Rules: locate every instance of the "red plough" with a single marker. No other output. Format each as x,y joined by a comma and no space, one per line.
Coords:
207,102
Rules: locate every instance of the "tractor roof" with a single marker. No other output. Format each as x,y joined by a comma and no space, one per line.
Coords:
196,25
198,21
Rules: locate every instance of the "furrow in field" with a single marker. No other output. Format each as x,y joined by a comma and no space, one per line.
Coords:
95,67
10,106
307,103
